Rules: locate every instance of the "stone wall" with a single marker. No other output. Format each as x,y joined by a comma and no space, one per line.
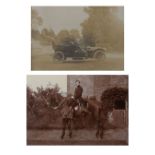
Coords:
101,83
94,85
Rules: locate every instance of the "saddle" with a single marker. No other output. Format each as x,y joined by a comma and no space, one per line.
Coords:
80,107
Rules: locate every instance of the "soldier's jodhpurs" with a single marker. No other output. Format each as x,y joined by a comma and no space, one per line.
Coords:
100,128
67,122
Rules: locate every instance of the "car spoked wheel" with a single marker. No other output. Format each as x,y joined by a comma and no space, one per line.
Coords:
99,55
59,56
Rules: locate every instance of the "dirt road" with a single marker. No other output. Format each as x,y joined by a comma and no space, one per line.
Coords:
43,60
80,137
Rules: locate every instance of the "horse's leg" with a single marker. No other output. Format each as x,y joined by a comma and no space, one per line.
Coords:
82,120
98,129
102,130
63,127
70,128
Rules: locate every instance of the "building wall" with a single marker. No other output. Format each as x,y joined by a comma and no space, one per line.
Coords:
101,83
87,82
120,118
94,85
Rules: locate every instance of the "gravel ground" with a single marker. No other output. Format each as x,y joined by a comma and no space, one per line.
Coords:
42,59
80,137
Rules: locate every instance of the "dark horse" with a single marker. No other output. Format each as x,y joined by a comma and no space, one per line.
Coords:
100,114
72,113
98,110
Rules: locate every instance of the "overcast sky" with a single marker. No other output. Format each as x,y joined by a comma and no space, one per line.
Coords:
59,18
34,81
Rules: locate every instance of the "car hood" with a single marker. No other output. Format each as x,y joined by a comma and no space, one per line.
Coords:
95,48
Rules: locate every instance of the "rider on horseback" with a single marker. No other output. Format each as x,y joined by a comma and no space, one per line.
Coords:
78,96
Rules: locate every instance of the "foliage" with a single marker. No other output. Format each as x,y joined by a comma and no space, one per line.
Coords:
111,95
103,28
36,20
39,102
65,35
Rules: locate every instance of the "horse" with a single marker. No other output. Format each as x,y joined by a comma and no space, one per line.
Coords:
72,112
100,114
66,109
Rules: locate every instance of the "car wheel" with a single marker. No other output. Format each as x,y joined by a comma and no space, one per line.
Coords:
59,56
99,55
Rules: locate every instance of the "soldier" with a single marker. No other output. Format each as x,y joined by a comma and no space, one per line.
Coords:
101,119
67,120
78,92
82,104
78,97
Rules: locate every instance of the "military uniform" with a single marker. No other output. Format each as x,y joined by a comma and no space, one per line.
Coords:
78,92
67,121
82,105
102,117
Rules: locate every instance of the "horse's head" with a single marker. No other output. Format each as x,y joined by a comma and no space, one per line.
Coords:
70,101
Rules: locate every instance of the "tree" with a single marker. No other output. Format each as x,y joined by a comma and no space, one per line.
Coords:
48,32
36,20
35,34
39,113
75,34
66,35
103,28
48,37
111,95
62,36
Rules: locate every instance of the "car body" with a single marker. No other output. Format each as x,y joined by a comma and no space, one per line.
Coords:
73,50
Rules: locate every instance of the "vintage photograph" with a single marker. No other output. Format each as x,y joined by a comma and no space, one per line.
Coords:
77,38
77,109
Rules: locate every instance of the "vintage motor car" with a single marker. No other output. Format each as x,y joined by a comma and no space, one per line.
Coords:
74,51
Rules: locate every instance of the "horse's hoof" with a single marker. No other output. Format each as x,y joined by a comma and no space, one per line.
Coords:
70,135
62,137
97,135
101,136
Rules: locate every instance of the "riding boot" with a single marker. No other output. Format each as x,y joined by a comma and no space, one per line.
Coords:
63,128
70,128
97,134
70,134
101,132
63,134
98,129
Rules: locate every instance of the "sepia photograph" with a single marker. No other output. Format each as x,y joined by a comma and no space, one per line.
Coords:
77,109
77,38
77,77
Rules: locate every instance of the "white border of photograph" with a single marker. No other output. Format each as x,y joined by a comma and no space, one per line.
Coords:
15,65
